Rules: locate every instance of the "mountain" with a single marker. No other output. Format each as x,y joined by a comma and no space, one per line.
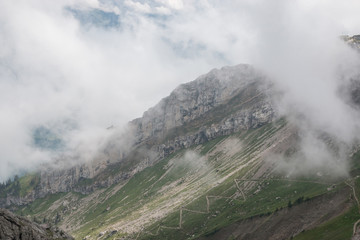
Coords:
205,163
216,104
15,227
353,41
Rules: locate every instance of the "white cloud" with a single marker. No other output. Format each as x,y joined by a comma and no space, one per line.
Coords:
52,68
173,4
137,6
163,10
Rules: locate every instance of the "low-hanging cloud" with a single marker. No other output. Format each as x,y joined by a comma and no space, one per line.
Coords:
63,70
309,63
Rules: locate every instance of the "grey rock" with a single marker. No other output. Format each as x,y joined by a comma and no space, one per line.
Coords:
219,103
192,100
13,227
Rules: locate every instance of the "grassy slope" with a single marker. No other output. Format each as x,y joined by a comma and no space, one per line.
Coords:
339,228
28,183
183,184
20,186
274,195
40,205
144,187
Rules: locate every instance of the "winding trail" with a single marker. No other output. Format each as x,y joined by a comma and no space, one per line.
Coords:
280,179
358,203
240,190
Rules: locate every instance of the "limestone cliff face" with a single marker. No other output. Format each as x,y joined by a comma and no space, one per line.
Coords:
245,119
219,103
15,227
192,100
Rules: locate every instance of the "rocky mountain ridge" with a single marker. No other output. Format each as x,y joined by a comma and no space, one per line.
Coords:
229,182
19,228
219,103
191,100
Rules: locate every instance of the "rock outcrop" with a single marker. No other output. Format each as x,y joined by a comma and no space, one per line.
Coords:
219,103
13,227
192,100
353,41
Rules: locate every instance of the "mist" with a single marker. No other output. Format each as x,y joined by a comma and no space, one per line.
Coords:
309,64
72,68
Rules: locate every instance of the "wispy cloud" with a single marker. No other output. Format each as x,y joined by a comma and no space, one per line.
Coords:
104,62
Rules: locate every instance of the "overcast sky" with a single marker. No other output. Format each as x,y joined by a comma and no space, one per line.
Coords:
80,66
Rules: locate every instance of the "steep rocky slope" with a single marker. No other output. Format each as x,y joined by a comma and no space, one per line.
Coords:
204,163
192,100
216,104
224,186
15,227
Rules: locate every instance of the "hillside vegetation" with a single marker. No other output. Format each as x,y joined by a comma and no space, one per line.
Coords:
206,190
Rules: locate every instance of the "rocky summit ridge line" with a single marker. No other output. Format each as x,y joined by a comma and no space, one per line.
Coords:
219,103
204,163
